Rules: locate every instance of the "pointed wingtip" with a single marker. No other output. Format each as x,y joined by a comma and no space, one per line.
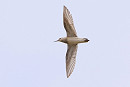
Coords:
67,76
65,7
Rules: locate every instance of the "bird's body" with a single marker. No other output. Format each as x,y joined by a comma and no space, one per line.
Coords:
71,40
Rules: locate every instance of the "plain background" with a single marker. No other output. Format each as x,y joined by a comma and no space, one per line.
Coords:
30,58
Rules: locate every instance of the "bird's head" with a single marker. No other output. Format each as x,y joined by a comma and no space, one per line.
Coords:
61,40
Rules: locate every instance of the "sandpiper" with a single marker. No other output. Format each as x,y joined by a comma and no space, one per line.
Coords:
71,40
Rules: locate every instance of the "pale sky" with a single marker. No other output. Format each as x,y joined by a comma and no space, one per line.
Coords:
30,58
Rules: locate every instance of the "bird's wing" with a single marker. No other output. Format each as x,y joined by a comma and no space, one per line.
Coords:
68,23
70,59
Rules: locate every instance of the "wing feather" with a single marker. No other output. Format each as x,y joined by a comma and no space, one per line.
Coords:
70,59
68,23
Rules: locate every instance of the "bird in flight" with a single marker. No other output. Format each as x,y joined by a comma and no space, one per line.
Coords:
71,40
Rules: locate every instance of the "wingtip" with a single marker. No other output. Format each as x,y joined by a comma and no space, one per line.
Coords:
68,76
65,7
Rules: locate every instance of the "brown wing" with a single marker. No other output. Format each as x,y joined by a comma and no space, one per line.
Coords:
68,23
70,59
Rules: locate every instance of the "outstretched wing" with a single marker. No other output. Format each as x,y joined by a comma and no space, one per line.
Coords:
70,59
68,23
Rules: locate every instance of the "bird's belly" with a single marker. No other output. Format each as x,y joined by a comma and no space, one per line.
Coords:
74,40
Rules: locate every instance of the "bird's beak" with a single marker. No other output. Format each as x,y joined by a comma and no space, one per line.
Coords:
56,41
